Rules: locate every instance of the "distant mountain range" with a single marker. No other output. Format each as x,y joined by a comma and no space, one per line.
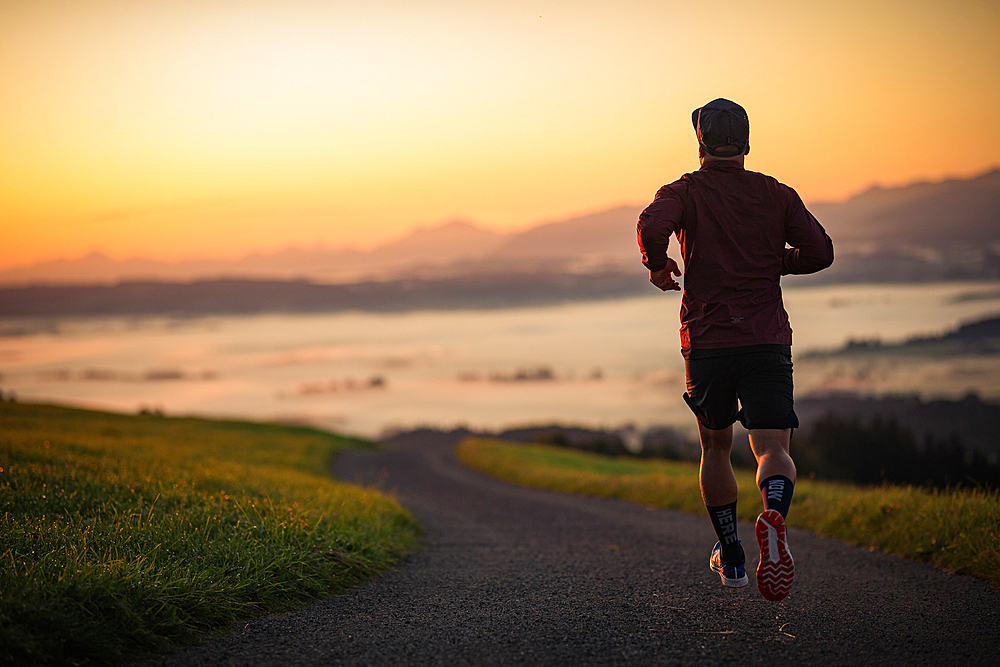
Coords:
948,230
924,215
921,232
583,244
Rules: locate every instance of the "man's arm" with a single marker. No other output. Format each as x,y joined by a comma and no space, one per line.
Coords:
811,248
656,223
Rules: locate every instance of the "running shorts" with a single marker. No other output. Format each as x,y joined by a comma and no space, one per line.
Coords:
758,376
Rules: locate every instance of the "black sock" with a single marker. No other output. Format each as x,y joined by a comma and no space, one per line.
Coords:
724,521
777,493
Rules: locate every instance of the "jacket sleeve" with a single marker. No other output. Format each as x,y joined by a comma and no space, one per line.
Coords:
811,248
656,223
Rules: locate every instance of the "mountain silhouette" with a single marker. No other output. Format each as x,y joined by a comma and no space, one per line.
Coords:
925,231
931,215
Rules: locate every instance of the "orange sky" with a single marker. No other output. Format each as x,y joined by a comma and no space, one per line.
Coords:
213,128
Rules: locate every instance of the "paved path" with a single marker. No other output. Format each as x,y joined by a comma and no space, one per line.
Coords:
512,576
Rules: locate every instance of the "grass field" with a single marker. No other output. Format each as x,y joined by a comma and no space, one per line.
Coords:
121,535
957,530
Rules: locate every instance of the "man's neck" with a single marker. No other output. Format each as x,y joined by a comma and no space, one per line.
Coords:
738,159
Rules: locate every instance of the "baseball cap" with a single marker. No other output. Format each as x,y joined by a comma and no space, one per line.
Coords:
722,123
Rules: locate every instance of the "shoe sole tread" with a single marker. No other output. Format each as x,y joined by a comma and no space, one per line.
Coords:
776,570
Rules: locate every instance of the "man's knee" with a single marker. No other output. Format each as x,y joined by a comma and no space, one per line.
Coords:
770,441
715,440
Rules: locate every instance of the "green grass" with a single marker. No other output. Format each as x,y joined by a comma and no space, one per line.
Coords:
957,530
122,535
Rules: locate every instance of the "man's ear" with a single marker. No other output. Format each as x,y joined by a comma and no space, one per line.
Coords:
701,151
747,151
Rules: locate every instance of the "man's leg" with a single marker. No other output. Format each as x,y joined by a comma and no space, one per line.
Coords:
711,395
776,479
718,483
775,468
770,447
718,490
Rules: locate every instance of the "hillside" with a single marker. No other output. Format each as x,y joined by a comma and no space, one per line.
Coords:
919,233
928,215
981,337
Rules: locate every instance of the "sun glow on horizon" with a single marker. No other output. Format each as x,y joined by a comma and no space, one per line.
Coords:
214,129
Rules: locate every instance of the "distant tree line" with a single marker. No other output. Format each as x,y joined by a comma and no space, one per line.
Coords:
881,450
975,421
875,451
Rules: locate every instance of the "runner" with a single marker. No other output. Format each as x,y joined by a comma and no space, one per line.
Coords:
739,232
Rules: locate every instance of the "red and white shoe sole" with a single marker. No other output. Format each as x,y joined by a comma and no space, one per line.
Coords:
776,569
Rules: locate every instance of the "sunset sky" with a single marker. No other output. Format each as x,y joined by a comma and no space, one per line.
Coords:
214,128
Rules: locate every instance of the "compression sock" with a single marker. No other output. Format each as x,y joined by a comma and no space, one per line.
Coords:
777,493
724,521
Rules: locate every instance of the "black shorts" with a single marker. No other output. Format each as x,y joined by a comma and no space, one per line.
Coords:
760,376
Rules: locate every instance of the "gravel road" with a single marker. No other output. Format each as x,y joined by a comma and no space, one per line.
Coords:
512,576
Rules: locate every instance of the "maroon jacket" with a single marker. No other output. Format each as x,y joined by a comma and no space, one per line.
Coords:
734,227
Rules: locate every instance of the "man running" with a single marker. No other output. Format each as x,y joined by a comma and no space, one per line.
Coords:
739,232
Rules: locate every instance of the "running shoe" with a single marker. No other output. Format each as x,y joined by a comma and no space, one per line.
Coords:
776,569
733,576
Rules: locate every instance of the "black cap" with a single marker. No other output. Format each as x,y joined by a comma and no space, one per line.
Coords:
722,123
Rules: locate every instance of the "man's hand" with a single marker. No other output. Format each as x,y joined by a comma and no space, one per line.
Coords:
664,277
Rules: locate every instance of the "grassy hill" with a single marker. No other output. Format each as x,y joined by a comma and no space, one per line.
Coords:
121,535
